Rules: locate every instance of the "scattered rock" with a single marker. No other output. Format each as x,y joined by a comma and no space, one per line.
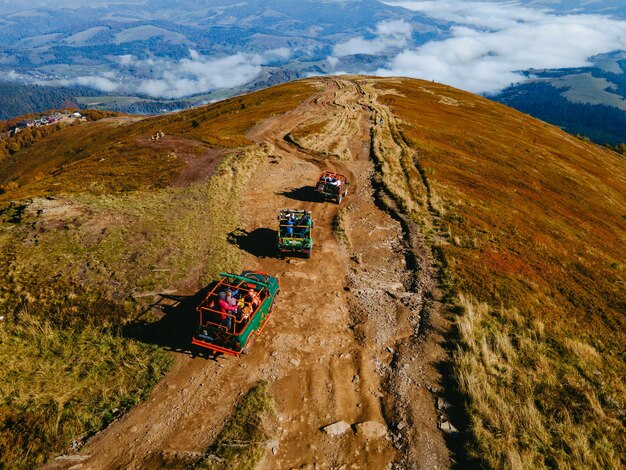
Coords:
336,429
401,426
447,427
371,430
73,458
295,362
390,349
356,379
272,444
441,404
274,353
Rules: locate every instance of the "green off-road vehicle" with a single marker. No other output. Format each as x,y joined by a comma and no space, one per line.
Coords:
294,232
234,311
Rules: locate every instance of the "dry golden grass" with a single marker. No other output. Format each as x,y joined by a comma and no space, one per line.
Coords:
529,223
79,266
528,407
71,281
58,385
309,128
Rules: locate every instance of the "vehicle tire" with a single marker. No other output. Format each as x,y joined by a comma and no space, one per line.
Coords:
307,255
248,347
345,193
339,198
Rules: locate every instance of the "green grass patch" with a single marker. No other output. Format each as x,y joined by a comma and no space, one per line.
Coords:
60,385
242,444
339,226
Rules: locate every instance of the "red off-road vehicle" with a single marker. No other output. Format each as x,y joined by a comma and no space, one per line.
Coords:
332,185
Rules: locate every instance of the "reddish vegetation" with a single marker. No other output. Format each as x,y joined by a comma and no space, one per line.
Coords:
538,212
536,226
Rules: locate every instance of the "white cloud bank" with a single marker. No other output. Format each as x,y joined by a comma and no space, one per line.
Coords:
199,74
178,78
493,41
389,33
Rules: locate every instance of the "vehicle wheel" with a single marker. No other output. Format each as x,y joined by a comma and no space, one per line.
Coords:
248,348
307,254
339,199
345,193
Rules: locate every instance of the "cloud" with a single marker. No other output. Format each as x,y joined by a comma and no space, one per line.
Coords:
105,83
178,78
332,61
493,42
493,15
126,59
388,34
200,74
12,76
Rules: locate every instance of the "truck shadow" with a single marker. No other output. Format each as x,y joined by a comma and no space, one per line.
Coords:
175,324
304,194
261,242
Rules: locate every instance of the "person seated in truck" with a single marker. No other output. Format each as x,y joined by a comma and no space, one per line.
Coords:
291,221
226,308
303,225
252,296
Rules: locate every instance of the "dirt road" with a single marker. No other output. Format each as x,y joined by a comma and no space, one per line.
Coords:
346,341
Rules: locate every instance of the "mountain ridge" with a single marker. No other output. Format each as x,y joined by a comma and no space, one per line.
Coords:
479,265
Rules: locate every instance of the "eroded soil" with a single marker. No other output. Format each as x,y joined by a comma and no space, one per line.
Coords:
348,339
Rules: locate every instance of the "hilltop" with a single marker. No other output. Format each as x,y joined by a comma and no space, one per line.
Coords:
467,295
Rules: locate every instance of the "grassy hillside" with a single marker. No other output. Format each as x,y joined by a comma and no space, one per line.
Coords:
101,218
118,154
530,226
